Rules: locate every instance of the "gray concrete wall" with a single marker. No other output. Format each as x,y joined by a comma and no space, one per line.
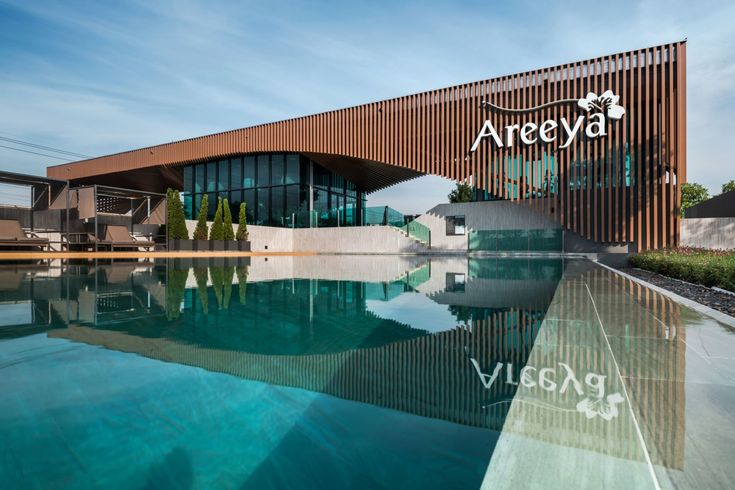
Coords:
489,215
348,240
261,238
712,233
486,215
354,240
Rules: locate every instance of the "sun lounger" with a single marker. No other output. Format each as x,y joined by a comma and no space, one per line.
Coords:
12,235
118,236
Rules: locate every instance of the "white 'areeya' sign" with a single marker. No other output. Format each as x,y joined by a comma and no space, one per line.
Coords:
597,110
560,380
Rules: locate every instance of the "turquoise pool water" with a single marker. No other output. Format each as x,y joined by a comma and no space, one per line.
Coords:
358,372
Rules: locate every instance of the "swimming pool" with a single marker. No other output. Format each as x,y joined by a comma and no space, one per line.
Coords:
358,372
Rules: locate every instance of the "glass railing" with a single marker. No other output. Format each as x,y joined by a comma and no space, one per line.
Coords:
383,215
417,231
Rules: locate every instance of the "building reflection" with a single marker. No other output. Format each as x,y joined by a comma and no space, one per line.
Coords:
546,349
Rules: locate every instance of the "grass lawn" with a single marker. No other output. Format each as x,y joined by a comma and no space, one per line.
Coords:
706,267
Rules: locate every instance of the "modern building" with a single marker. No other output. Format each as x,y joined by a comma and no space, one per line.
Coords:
598,145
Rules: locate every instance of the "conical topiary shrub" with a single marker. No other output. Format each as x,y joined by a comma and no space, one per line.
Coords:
216,232
200,232
242,224
228,233
176,221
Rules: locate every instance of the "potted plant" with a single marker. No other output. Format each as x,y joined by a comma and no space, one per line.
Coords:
242,230
178,235
228,232
217,232
200,232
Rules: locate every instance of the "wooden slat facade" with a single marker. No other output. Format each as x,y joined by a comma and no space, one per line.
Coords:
624,188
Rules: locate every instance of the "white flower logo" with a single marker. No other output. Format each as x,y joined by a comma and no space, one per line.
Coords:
606,103
605,407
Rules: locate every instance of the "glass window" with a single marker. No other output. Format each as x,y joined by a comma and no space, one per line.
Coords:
350,211
211,205
297,206
236,173
336,212
292,168
188,179
248,172
338,183
277,164
264,178
223,182
262,216
321,207
455,225
322,177
199,178
188,207
211,176
278,206
235,200
455,282
196,205
250,205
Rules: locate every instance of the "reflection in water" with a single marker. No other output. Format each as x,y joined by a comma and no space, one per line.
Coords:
542,351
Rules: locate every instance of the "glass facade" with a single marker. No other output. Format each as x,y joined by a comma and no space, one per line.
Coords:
287,190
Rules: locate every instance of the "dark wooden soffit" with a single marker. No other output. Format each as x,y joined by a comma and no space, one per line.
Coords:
367,175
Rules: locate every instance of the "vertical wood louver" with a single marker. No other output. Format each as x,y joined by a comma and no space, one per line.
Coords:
619,189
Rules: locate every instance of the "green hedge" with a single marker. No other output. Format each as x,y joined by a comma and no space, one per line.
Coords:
706,267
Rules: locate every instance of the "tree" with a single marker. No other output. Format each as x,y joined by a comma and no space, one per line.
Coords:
200,232
463,193
228,234
217,232
242,224
692,194
176,221
729,186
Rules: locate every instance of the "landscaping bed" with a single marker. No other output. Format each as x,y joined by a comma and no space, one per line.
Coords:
691,273
712,268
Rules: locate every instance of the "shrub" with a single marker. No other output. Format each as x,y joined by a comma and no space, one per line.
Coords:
200,232
228,234
217,230
705,267
176,222
242,224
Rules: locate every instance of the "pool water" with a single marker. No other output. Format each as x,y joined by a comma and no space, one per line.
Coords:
358,372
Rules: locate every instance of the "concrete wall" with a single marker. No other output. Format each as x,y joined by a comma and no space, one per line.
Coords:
712,233
354,240
486,215
349,240
261,238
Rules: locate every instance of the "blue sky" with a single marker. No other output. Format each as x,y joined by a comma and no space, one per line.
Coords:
102,77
